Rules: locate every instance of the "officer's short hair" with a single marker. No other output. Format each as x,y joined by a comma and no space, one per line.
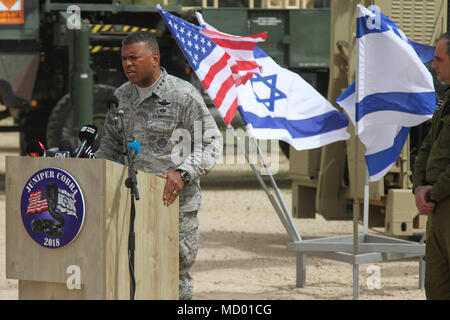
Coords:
142,36
446,36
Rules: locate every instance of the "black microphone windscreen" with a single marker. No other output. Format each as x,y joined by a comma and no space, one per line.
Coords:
88,133
95,145
113,101
89,151
65,145
35,148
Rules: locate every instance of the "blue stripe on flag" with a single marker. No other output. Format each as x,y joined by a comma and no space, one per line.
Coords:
362,28
379,161
259,53
425,52
323,123
377,24
348,92
414,103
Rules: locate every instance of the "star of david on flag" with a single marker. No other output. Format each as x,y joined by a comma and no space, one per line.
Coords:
221,61
268,91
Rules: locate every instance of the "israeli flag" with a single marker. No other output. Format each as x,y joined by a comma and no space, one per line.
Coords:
279,104
395,89
66,203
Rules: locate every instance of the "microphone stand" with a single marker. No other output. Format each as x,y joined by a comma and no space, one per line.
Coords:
124,136
131,183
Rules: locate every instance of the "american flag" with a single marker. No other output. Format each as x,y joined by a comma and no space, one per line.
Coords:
37,202
221,61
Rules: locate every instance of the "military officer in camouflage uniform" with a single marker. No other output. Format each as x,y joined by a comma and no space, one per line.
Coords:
159,111
432,184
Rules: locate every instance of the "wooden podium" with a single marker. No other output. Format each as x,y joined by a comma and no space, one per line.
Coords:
98,256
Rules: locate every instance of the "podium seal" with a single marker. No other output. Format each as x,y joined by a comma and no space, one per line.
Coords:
52,208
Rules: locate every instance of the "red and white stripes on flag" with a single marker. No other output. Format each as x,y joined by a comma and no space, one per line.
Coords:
240,51
221,61
218,81
36,203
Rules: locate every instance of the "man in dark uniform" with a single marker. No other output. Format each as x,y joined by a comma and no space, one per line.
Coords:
432,184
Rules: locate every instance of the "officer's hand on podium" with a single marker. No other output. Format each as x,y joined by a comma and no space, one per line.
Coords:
173,187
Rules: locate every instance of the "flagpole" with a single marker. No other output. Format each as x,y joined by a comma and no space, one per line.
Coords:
355,218
288,224
275,186
355,181
366,204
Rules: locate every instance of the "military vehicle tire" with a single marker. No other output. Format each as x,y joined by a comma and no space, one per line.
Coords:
60,122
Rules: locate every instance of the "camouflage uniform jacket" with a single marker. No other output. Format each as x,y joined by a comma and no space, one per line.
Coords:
175,131
432,165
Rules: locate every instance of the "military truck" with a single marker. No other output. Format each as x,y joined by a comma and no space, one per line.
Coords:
60,62
321,179
60,59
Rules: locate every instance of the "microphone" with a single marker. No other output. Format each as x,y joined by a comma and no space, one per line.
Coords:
112,104
36,149
64,149
87,135
90,150
134,147
52,151
65,145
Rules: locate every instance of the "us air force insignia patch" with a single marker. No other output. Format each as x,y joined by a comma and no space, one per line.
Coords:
163,113
164,102
161,142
